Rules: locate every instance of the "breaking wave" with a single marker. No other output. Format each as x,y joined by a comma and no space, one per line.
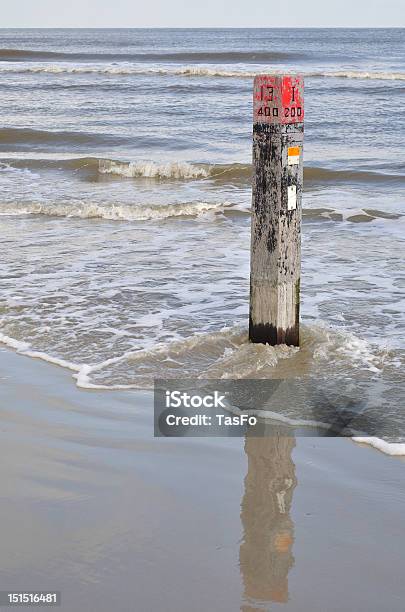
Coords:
199,210
352,74
239,174
114,212
233,174
236,174
195,71
150,169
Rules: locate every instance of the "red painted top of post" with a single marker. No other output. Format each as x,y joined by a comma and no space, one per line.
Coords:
278,99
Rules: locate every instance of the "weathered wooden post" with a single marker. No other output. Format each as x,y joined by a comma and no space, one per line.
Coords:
278,134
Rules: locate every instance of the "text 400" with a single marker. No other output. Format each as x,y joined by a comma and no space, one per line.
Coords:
267,111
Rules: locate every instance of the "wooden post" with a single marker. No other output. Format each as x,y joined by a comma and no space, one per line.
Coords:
278,134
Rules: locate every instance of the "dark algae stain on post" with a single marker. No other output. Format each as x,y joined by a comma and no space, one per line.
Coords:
276,209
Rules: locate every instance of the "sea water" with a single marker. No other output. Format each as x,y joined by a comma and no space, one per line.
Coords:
125,173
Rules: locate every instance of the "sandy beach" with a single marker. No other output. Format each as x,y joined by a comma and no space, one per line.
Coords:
94,506
126,210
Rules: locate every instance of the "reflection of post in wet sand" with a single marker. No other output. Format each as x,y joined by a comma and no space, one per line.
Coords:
265,555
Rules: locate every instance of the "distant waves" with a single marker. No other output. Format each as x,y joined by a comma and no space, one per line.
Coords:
24,55
136,68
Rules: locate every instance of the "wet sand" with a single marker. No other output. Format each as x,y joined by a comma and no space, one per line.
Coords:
94,506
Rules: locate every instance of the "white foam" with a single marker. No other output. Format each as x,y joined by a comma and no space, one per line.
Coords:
83,376
233,335
150,169
113,212
83,380
24,348
17,345
62,363
197,71
351,74
128,70
344,344
396,449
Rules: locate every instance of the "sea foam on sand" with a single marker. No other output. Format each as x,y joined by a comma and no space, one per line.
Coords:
232,353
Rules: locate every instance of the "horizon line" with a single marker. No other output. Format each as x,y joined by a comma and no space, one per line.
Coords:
320,27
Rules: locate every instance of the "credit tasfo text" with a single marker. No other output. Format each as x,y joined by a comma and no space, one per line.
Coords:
182,399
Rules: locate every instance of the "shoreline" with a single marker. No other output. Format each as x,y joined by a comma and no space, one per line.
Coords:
79,373
113,515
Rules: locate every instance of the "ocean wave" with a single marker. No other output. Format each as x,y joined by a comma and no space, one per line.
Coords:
319,176
200,210
150,169
353,74
114,212
361,215
13,55
214,72
238,174
73,164
232,174
27,136
201,355
129,70
227,354
197,71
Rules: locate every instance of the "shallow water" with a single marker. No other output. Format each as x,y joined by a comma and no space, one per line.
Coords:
124,209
